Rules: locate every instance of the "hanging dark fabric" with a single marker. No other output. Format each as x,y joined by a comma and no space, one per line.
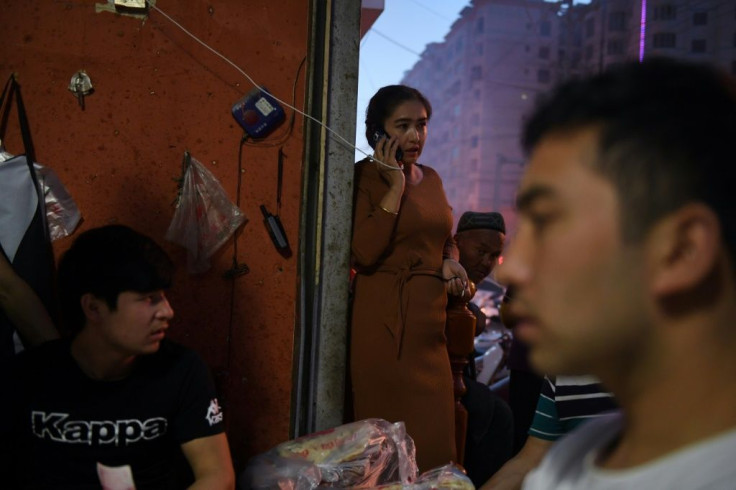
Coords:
33,260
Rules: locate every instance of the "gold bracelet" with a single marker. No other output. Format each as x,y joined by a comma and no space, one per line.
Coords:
395,213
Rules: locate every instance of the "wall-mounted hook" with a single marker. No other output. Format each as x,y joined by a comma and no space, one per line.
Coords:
81,86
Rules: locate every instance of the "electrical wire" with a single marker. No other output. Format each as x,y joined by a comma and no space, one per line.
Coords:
256,85
281,139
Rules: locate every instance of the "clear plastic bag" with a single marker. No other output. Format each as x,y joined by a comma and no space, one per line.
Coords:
62,214
204,218
363,454
449,477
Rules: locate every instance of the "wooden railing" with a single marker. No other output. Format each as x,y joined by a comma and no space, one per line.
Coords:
460,332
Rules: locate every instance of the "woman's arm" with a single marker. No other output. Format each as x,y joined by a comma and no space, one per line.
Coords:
376,208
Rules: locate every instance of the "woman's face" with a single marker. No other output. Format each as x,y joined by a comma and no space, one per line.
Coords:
408,122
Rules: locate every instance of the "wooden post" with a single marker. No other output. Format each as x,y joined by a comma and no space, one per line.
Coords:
460,332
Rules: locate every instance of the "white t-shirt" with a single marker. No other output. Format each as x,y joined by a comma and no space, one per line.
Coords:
570,464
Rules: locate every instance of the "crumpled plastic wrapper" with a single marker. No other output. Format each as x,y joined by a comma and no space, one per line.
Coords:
363,454
449,477
62,214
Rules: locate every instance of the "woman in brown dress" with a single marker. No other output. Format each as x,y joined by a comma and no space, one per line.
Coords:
404,256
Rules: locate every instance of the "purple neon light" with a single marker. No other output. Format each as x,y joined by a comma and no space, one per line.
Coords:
642,29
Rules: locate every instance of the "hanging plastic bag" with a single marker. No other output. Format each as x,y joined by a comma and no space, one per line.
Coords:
62,214
204,218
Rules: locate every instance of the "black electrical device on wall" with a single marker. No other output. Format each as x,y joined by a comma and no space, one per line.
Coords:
273,221
258,113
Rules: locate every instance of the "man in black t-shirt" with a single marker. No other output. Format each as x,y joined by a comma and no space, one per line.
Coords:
116,405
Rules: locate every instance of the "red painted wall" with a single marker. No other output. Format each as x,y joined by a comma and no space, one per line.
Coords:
158,93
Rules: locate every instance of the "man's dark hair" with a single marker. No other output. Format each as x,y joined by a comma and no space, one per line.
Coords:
385,101
107,261
667,137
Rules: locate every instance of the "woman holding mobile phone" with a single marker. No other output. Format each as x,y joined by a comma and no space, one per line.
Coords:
406,264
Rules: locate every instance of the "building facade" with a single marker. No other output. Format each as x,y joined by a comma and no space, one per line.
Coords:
501,55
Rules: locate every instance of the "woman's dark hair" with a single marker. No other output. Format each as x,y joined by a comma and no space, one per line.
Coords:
385,102
107,261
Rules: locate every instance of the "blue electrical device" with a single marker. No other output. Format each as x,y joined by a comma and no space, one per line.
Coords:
259,113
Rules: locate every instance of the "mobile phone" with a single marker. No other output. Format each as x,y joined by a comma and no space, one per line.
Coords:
380,133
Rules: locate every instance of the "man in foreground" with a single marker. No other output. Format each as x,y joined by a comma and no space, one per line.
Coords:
115,406
624,267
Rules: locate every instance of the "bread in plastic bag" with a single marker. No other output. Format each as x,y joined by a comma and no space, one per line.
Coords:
362,454
204,218
449,477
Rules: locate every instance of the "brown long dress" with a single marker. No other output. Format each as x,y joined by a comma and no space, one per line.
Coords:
400,368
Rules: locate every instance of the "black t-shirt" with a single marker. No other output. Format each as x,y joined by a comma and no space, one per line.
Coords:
64,423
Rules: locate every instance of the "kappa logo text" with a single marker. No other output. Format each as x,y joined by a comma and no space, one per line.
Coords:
56,427
214,412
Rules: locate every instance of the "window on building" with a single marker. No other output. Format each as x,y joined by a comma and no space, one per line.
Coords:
456,110
698,46
664,40
476,73
479,49
664,11
544,52
479,25
527,48
474,142
475,119
617,21
543,75
476,94
589,27
453,89
614,47
545,28
700,18
588,52
455,153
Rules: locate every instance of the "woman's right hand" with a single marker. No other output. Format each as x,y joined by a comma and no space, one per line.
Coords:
388,167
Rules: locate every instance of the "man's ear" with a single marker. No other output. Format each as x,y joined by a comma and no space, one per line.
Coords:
91,306
684,248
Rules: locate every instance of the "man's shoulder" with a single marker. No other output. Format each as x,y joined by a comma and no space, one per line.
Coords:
589,436
570,463
567,458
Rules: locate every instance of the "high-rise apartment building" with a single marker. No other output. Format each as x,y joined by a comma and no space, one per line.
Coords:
501,55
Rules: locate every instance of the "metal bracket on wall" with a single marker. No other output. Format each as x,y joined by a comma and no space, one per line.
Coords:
81,86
